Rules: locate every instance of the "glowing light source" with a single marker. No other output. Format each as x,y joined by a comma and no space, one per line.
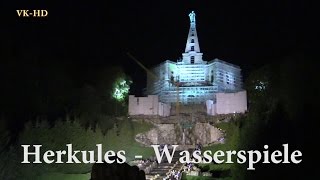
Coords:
261,85
121,89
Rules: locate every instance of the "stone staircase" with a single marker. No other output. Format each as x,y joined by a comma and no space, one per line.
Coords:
161,170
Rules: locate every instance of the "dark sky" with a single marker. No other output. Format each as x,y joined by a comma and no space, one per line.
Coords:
89,34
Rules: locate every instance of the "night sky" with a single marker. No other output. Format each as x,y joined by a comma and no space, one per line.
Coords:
86,36
89,34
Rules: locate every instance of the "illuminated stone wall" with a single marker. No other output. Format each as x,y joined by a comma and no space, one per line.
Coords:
227,103
149,105
231,102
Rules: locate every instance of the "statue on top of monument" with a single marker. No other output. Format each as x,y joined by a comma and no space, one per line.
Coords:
192,16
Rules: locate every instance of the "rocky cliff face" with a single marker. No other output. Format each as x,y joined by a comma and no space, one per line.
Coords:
161,134
202,133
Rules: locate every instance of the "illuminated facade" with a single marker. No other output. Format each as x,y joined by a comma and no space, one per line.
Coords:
191,80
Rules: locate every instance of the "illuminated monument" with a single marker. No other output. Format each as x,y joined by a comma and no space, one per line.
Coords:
191,78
